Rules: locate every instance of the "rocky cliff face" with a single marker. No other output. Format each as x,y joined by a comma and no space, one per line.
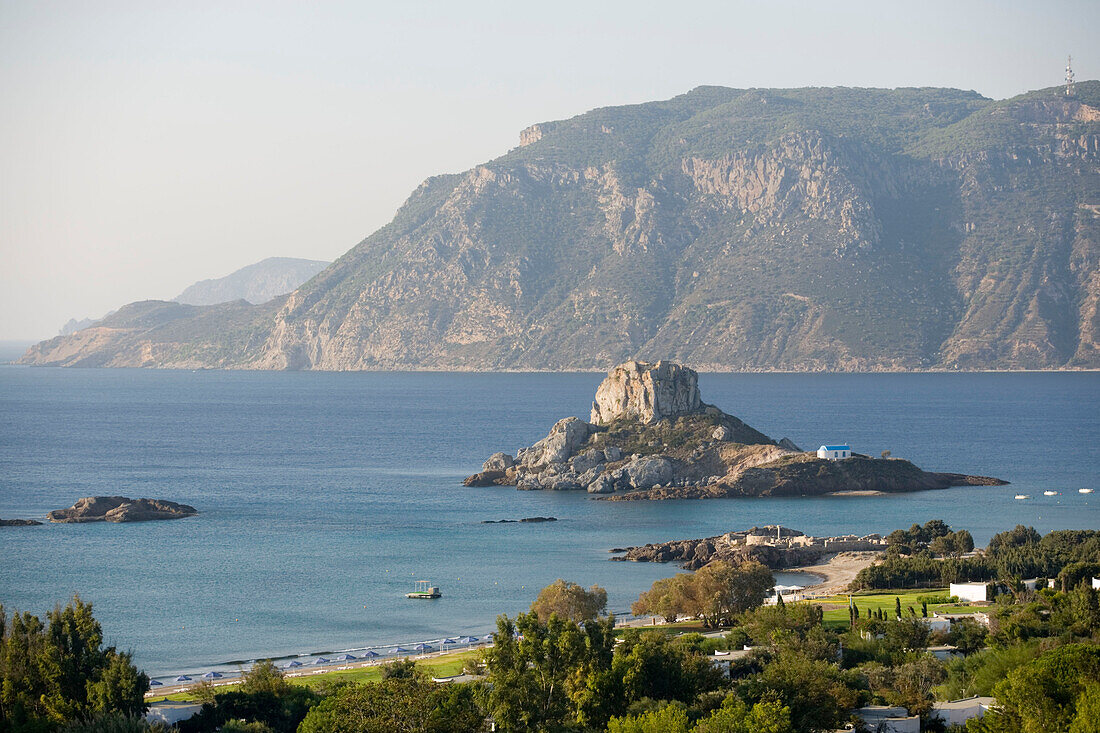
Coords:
842,229
646,392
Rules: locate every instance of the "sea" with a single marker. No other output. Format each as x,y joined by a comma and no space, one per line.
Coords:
322,497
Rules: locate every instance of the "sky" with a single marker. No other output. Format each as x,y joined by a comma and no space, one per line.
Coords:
148,145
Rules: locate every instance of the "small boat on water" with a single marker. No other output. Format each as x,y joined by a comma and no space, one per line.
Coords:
1084,491
424,589
1050,493
1022,496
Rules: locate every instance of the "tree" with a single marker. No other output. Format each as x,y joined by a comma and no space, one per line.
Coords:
817,693
570,601
649,665
545,675
264,677
913,682
119,688
723,589
1076,573
399,669
886,454
1043,695
767,716
669,719
60,672
662,599
397,705
934,528
907,634
967,635
1018,536
766,623
1088,709
714,593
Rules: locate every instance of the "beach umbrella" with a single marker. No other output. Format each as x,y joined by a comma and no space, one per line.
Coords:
320,660
421,647
468,639
371,654
183,678
346,657
155,683
399,650
450,641
292,665
212,675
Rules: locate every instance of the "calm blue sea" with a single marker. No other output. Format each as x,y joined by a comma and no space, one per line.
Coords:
323,496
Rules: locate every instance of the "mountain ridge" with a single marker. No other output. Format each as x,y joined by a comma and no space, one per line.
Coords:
256,283
760,229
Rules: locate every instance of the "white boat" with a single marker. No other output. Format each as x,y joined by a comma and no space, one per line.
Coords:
1050,493
1022,496
1084,491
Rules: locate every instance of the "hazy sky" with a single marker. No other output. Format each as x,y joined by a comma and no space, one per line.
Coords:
146,145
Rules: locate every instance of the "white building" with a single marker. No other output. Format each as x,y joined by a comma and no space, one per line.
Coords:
970,591
944,621
1096,583
834,452
170,713
888,719
957,712
942,651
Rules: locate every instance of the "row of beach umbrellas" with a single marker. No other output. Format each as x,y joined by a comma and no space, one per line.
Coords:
369,654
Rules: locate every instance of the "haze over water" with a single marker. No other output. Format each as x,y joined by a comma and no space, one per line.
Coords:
323,496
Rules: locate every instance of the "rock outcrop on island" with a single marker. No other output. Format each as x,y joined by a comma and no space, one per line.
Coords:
646,392
120,509
652,437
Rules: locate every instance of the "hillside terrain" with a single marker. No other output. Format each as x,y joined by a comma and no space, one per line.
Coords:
732,229
256,283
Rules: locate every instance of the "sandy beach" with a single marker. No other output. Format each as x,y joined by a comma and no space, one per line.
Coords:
836,572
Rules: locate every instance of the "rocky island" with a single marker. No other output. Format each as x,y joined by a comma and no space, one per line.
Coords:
19,523
120,509
650,436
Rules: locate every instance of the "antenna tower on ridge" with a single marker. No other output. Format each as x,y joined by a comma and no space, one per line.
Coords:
1069,76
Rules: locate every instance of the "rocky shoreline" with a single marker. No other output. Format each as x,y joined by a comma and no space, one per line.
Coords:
650,436
774,546
19,523
120,509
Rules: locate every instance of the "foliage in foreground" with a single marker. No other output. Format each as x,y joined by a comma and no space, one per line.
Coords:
397,704
59,672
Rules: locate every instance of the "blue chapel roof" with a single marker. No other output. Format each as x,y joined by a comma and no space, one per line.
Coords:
837,447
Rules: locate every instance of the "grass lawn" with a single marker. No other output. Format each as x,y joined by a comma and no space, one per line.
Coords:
446,665
837,615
